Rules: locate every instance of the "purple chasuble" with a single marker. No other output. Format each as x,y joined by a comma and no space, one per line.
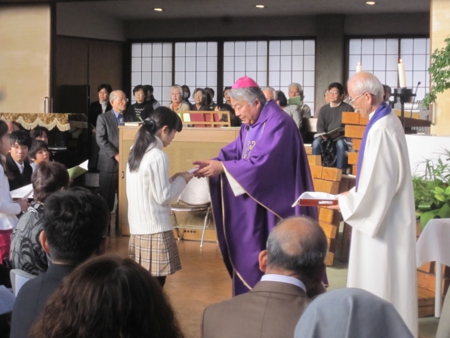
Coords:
269,161
383,110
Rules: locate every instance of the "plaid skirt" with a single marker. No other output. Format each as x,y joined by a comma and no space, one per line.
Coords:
158,253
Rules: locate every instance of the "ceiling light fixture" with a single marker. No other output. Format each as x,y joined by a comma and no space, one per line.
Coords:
370,3
157,9
260,6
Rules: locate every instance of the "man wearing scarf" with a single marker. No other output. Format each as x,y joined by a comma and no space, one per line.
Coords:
381,206
254,181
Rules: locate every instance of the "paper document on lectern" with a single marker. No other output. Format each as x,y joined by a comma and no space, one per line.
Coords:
316,199
78,170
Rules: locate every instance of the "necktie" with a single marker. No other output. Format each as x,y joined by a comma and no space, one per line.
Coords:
120,118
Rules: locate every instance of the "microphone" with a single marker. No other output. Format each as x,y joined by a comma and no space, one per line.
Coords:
415,93
247,127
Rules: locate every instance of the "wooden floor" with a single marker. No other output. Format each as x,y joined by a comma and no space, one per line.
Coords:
204,280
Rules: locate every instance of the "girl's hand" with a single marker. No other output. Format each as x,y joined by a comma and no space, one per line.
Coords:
187,176
23,205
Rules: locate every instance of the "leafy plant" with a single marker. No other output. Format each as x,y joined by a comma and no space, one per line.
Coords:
440,73
432,190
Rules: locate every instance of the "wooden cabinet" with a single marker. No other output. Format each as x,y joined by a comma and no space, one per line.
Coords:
189,145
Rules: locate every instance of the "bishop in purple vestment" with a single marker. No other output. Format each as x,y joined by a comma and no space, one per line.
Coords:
254,181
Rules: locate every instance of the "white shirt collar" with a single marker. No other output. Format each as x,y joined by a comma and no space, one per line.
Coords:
20,166
284,279
336,105
371,114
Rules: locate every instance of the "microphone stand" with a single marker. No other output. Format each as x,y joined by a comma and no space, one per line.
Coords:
405,95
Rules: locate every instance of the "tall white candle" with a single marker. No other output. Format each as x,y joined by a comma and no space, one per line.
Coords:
401,74
358,67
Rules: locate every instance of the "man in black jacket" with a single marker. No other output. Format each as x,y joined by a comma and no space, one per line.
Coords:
17,160
75,223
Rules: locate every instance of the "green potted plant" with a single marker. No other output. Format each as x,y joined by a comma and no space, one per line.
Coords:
432,190
439,72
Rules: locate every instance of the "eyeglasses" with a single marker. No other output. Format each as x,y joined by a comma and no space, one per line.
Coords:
351,101
17,146
121,100
334,93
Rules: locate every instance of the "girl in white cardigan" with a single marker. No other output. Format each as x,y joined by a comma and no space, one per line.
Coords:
8,208
150,192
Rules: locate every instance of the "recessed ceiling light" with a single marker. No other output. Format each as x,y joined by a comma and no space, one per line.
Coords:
157,9
260,6
370,3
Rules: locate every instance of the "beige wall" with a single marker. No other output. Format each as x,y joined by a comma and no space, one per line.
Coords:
440,29
25,35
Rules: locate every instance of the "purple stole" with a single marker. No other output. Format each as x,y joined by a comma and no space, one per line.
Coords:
382,111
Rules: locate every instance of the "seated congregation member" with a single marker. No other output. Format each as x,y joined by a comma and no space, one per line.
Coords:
186,94
351,313
280,99
101,106
38,153
95,109
39,133
295,89
226,106
210,98
333,146
294,264
27,253
176,95
150,98
108,296
141,109
75,223
17,160
200,99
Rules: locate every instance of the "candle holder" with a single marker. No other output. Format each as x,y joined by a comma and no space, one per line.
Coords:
405,95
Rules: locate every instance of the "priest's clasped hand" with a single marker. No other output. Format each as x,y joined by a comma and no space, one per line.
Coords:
208,168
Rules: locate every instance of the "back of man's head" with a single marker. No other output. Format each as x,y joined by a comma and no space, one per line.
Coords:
297,246
75,223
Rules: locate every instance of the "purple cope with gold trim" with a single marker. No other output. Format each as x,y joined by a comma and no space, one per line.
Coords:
269,161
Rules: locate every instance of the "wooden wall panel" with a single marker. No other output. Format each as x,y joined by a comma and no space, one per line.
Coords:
82,61
25,54
105,65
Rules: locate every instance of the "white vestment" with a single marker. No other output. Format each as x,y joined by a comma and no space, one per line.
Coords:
381,212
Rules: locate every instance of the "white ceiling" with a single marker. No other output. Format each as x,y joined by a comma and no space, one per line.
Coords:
143,9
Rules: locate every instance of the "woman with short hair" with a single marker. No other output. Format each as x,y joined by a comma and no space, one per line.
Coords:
26,250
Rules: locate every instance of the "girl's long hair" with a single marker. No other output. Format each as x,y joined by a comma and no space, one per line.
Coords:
145,137
108,296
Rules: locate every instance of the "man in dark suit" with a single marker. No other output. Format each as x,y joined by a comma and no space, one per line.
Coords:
95,109
107,135
75,223
17,160
294,264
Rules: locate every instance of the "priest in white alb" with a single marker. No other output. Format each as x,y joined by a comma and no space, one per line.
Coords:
380,208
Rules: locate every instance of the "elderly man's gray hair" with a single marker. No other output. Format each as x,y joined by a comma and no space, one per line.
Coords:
298,86
274,92
303,255
177,87
249,94
114,95
367,82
